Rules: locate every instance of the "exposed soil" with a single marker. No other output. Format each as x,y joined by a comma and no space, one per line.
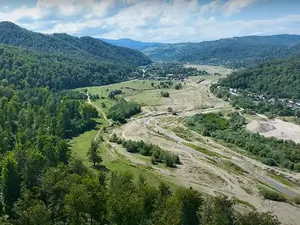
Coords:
276,128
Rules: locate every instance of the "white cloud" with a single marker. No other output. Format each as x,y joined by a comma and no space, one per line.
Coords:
234,6
22,13
147,20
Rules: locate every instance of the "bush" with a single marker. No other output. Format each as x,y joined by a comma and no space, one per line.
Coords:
270,162
157,154
113,138
123,110
272,195
165,94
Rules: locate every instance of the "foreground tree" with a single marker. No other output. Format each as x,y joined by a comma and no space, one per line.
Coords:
93,153
10,183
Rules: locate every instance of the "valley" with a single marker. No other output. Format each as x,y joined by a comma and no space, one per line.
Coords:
207,164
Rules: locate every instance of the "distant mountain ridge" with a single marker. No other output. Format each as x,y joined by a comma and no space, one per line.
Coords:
237,51
89,47
129,43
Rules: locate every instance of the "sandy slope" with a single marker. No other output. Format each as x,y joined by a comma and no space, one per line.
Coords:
276,128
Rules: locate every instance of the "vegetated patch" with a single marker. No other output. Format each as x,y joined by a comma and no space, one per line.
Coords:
297,200
234,167
183,133
158,155
123,109
242,202
202,150
272,194
281,179
232,130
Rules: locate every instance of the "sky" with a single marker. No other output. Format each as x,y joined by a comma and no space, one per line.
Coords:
155,20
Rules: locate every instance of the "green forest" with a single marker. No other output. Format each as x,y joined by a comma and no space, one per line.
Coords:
231,130
61,61
278,78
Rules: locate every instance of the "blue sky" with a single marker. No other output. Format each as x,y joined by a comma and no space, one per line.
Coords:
156,20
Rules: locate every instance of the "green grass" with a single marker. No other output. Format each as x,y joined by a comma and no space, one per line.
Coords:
242,202
281,179
79,145
128,87
272,194
183,133
233,167
203,150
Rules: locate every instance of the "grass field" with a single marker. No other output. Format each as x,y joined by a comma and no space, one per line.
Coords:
211,69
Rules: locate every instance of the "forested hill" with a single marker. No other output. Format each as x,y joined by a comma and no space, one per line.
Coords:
236,52
60,61
29,69
275,78
86,47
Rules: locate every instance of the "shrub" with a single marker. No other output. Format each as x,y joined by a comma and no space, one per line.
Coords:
272,195
165,94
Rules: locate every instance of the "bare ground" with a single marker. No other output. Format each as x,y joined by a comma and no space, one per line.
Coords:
276,128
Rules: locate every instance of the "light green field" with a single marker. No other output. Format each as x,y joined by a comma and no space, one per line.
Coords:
128,87
79,148
211,69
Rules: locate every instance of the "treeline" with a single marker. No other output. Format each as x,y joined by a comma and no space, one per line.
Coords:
271,151
170,71
158,155
70,195
123,110
278,78
25,115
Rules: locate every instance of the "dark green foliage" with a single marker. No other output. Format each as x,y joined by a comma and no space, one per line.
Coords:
208,123
168,72
255,218
235,52
157,154
277,78
93,153
61,61
84,47
272,195
113,93
123,109
88,111
165,94
10,183
271,151
178,86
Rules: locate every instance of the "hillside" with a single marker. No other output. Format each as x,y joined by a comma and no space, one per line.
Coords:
87,47
25,68
275,78
129,43
237,52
